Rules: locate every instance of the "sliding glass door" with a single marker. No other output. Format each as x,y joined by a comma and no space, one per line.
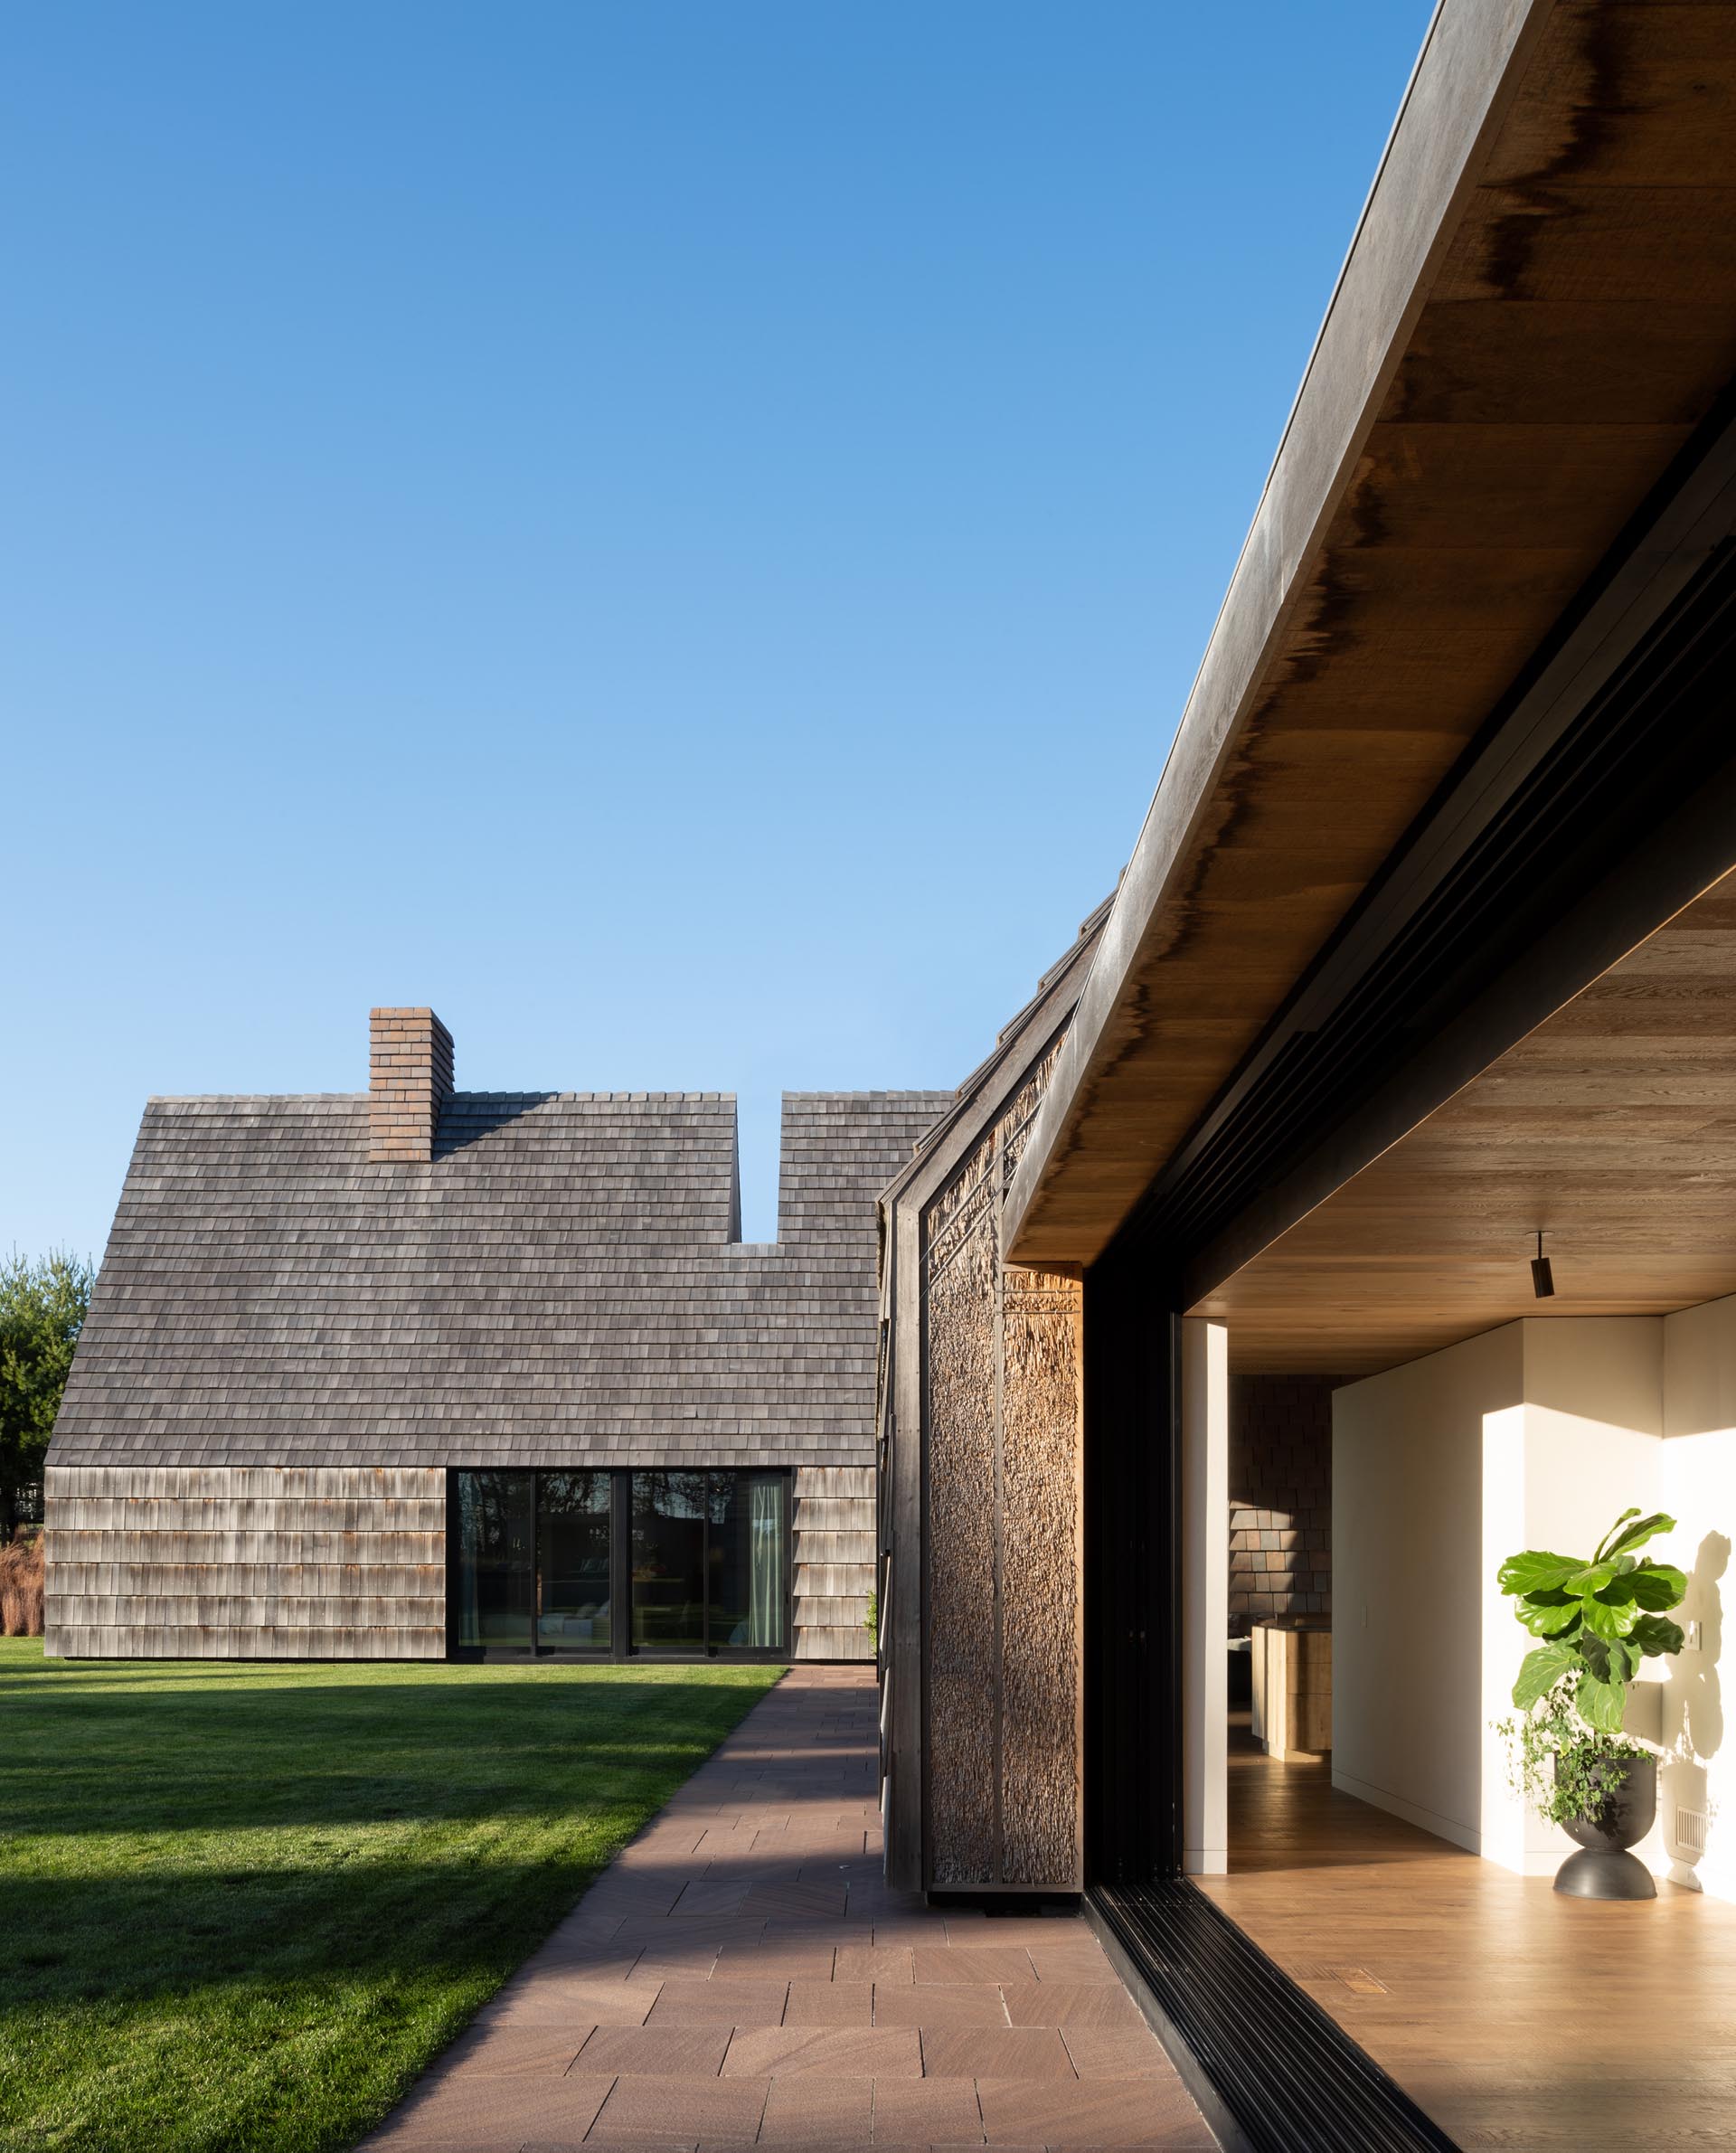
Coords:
669,1516
575,1594
680,1564
745,1561
496,1577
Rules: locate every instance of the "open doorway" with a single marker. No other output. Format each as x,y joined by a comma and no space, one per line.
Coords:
1282,1809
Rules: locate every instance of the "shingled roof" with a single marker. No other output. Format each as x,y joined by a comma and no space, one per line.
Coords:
560,1281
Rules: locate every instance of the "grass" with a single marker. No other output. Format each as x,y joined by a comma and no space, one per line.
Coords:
242,1906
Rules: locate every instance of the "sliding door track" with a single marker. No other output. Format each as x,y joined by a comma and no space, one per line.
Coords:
1271,2070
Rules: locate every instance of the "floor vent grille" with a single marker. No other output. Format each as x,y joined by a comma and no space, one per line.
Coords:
1288,2077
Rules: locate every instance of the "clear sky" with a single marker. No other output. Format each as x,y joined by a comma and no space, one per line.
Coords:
677,533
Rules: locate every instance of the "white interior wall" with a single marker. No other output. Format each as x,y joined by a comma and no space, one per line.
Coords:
1700,1493
1205,1614
1534,1435
1407,1541
1590,1444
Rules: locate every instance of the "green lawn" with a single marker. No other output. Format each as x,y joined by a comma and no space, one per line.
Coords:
241,1906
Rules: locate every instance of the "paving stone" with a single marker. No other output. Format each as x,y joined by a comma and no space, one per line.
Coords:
832,2051
775,1961
554,2003
995,2052
925,2112
1070,2003
682,2109
941,2007
660,2051
1117,2051
458,2106
1096,2112
960,1963
514,2052
719,2002
830,2002
828,2075
807,2112
1084,1960
872,1962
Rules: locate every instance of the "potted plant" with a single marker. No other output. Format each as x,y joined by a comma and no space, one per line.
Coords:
1597,1621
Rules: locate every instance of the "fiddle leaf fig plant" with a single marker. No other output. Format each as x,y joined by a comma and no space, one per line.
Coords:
1596,1620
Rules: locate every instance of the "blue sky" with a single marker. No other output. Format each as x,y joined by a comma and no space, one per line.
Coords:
678,534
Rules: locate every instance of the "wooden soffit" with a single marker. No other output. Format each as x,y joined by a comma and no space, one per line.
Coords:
1611,1128
1538,309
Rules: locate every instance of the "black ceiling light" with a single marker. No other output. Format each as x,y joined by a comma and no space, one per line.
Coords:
1542,1280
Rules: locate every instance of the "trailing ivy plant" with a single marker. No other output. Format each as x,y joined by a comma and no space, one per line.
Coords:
1596,1620
1556,1764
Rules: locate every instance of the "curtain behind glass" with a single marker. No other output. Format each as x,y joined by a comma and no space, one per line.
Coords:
766,1560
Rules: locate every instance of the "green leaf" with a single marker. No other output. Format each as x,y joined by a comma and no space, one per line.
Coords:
1541,1670
1652,1635
1601,1704
1548,1614
1534,1571
1648,1528
1613,1533
1609,1618
1624,1659
1598,1654
1591,1578
1656,1586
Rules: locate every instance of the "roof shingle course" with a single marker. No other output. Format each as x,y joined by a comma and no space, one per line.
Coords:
559,1278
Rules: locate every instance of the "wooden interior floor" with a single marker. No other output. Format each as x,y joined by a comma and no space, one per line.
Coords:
1518,2019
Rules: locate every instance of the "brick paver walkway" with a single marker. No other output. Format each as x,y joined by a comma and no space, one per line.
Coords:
741,1975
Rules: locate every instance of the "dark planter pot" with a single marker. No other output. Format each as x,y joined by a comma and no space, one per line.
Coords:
1603,1868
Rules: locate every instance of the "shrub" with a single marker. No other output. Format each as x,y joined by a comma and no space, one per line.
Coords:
23,1576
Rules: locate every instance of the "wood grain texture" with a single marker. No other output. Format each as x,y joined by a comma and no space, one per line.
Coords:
1449,1972
832,1550
333,1563
1613,1126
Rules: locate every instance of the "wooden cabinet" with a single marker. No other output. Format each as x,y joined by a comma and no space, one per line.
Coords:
1292,1679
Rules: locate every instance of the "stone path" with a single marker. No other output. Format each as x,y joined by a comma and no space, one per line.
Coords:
742,1976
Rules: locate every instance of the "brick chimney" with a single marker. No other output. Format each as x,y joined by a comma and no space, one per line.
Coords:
410,1074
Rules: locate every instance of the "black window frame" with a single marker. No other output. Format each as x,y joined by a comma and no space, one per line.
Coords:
620,1646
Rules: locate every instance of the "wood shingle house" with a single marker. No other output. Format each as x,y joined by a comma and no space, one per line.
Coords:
420,1372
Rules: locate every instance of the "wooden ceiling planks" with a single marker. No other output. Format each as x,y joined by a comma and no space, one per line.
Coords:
1613,1126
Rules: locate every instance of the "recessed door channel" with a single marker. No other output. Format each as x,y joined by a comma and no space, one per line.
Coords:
601,1563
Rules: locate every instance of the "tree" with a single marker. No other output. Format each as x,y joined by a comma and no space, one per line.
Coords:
42,1306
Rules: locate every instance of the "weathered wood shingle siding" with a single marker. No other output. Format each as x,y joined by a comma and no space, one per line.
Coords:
289,1345
173,1562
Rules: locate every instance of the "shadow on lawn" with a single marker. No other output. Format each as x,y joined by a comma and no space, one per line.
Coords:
244,1908
172,1934
95,1761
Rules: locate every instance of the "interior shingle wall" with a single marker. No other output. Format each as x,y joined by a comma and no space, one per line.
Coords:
1280,1497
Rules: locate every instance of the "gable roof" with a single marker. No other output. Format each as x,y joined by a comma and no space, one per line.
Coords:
1018,1045
560,1281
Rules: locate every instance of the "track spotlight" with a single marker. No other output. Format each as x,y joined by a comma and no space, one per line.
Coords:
1542,1280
